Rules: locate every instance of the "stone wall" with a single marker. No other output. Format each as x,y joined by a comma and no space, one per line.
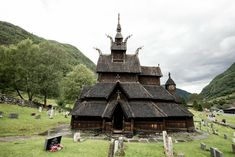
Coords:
10,100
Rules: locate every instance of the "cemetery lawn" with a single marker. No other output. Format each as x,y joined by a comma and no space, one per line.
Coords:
34,148
143,149
27,125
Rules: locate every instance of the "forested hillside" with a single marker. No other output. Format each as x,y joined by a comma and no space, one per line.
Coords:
37,69
11,34
221,85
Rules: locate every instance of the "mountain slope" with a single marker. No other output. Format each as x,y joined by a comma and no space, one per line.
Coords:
182,93
11,34
221,85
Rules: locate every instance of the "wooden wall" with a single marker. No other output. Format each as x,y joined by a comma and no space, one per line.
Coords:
112,77
183,124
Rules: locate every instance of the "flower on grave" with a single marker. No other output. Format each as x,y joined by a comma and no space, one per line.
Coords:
56,147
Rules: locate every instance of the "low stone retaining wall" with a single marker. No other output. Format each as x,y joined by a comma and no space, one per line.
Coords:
10,100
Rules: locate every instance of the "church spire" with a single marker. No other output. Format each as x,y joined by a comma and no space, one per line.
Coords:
118,37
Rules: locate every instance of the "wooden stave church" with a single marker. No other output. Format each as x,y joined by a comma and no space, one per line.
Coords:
128,97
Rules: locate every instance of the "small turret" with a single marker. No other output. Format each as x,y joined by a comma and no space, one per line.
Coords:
170,85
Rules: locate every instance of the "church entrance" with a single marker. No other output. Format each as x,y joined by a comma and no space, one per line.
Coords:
118,118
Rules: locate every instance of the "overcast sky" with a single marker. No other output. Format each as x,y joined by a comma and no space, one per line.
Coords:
192,39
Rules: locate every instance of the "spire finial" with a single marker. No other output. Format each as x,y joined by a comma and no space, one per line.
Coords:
118,18
169,74
118,25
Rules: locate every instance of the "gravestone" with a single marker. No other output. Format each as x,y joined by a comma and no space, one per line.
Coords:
203,146
1,114
224,121
40,109
164,136
77,137
218,153
13,115
51,113
233,148
33,114
225,137
170,147
38,117
233,140
212,151
115,146
120,143
51,141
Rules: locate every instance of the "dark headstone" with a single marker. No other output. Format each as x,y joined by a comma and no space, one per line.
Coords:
38,117
224,121
33,114
203,146
225,137
218,153
212,151
51,141
233,148
1,114
13,115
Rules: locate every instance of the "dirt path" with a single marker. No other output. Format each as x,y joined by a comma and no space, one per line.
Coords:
16,138
63,129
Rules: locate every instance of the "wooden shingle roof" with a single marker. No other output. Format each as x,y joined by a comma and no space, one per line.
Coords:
150,71
131,64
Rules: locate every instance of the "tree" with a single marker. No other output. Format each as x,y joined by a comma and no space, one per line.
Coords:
51,61
183,102
18,67
195,97
73,82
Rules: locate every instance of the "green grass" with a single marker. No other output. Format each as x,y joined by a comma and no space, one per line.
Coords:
34,148
26,125
143,150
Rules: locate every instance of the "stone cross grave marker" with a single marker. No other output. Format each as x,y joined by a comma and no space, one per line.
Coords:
77,137
13,115
203,146
51,141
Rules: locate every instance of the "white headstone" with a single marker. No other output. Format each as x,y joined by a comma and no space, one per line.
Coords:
170,147
51,113
40,109
233,140
120,142
164,136
115,146
77,137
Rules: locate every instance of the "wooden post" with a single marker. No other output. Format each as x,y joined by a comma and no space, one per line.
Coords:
186,123
164,125
132,125
103,125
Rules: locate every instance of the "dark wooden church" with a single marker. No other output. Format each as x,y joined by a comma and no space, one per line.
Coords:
128,97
